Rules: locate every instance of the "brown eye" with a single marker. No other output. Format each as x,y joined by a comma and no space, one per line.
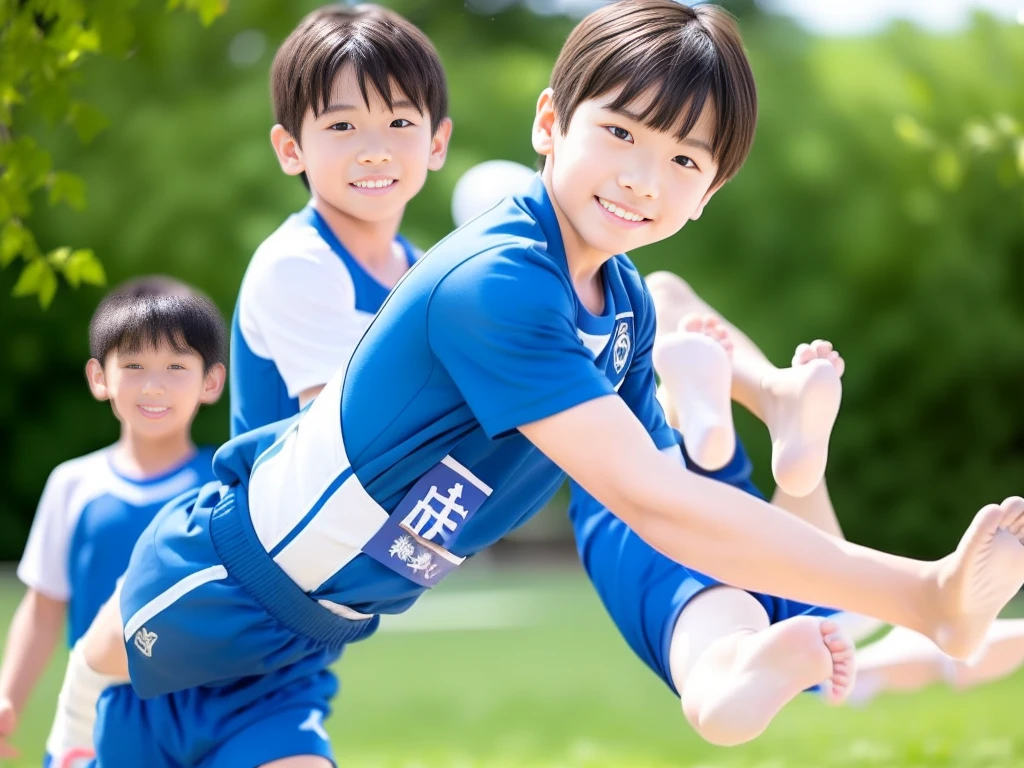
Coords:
620,133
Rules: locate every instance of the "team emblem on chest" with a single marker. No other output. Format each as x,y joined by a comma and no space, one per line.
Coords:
621,347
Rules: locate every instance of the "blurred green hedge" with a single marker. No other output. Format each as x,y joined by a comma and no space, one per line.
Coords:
911,261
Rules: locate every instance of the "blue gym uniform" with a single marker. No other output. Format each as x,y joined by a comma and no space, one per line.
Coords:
303,305
406,463
643,591
89,518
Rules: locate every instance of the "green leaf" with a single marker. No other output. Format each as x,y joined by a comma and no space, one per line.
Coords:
87,120
209,10
32,278
48,289
15,240
58,258
82,266
69,188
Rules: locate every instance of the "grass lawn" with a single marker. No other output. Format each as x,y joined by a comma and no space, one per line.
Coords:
534,674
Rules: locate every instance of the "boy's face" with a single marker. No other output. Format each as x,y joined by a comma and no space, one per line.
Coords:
366,162
618,184
156,391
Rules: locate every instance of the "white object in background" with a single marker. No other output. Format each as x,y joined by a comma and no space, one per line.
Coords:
483,185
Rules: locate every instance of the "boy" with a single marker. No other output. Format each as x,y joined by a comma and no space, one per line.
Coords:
472,391
364,153
158,351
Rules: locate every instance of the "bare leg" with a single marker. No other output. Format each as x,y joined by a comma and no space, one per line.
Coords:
735,672
799,404
904,660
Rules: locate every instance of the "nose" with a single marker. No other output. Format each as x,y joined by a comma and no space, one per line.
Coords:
374,153
154,384
641,180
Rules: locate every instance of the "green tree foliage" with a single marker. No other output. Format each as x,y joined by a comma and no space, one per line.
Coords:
43,44
835,228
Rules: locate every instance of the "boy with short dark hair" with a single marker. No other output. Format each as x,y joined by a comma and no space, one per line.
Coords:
157,353
361,106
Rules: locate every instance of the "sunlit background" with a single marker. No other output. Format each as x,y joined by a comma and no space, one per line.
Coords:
882,207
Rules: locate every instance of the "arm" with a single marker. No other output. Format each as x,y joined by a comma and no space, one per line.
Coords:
33,634
716,529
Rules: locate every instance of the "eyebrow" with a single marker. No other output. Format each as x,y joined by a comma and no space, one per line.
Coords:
402,104
630,115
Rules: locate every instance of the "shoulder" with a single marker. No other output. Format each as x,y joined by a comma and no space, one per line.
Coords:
515,275
295,252
77,481
70,474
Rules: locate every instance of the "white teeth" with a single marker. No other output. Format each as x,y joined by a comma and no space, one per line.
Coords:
374,184
153,409
621,213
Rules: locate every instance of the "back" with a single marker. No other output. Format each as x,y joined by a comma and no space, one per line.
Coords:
87,523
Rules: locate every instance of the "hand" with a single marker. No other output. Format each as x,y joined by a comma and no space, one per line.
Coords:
8,724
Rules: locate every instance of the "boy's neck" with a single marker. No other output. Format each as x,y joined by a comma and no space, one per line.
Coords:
371,243
584,262
141,458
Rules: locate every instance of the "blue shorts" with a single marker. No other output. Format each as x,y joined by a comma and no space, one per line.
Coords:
241,726
203,603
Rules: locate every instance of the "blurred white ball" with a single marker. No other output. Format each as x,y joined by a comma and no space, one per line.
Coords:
482,186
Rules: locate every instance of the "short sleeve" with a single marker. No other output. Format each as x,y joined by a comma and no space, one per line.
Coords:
504,328
639,389
299,311
44,564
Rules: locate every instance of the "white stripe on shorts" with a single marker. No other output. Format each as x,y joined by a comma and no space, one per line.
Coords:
168,597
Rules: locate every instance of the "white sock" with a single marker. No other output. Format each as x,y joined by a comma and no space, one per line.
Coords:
76,706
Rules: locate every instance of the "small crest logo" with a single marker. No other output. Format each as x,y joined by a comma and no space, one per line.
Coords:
145,641
620,350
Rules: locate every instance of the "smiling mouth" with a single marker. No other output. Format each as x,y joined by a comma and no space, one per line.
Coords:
374,183
621,213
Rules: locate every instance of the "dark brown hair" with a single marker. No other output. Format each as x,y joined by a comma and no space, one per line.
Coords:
149,310
683,56
381,45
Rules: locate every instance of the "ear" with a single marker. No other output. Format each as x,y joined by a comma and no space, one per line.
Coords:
97,380
213,384
439,145
705,200
544,123
287,149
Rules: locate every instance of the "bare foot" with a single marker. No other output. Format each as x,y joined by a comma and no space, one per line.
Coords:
696,371
980,577
800,406
741,682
